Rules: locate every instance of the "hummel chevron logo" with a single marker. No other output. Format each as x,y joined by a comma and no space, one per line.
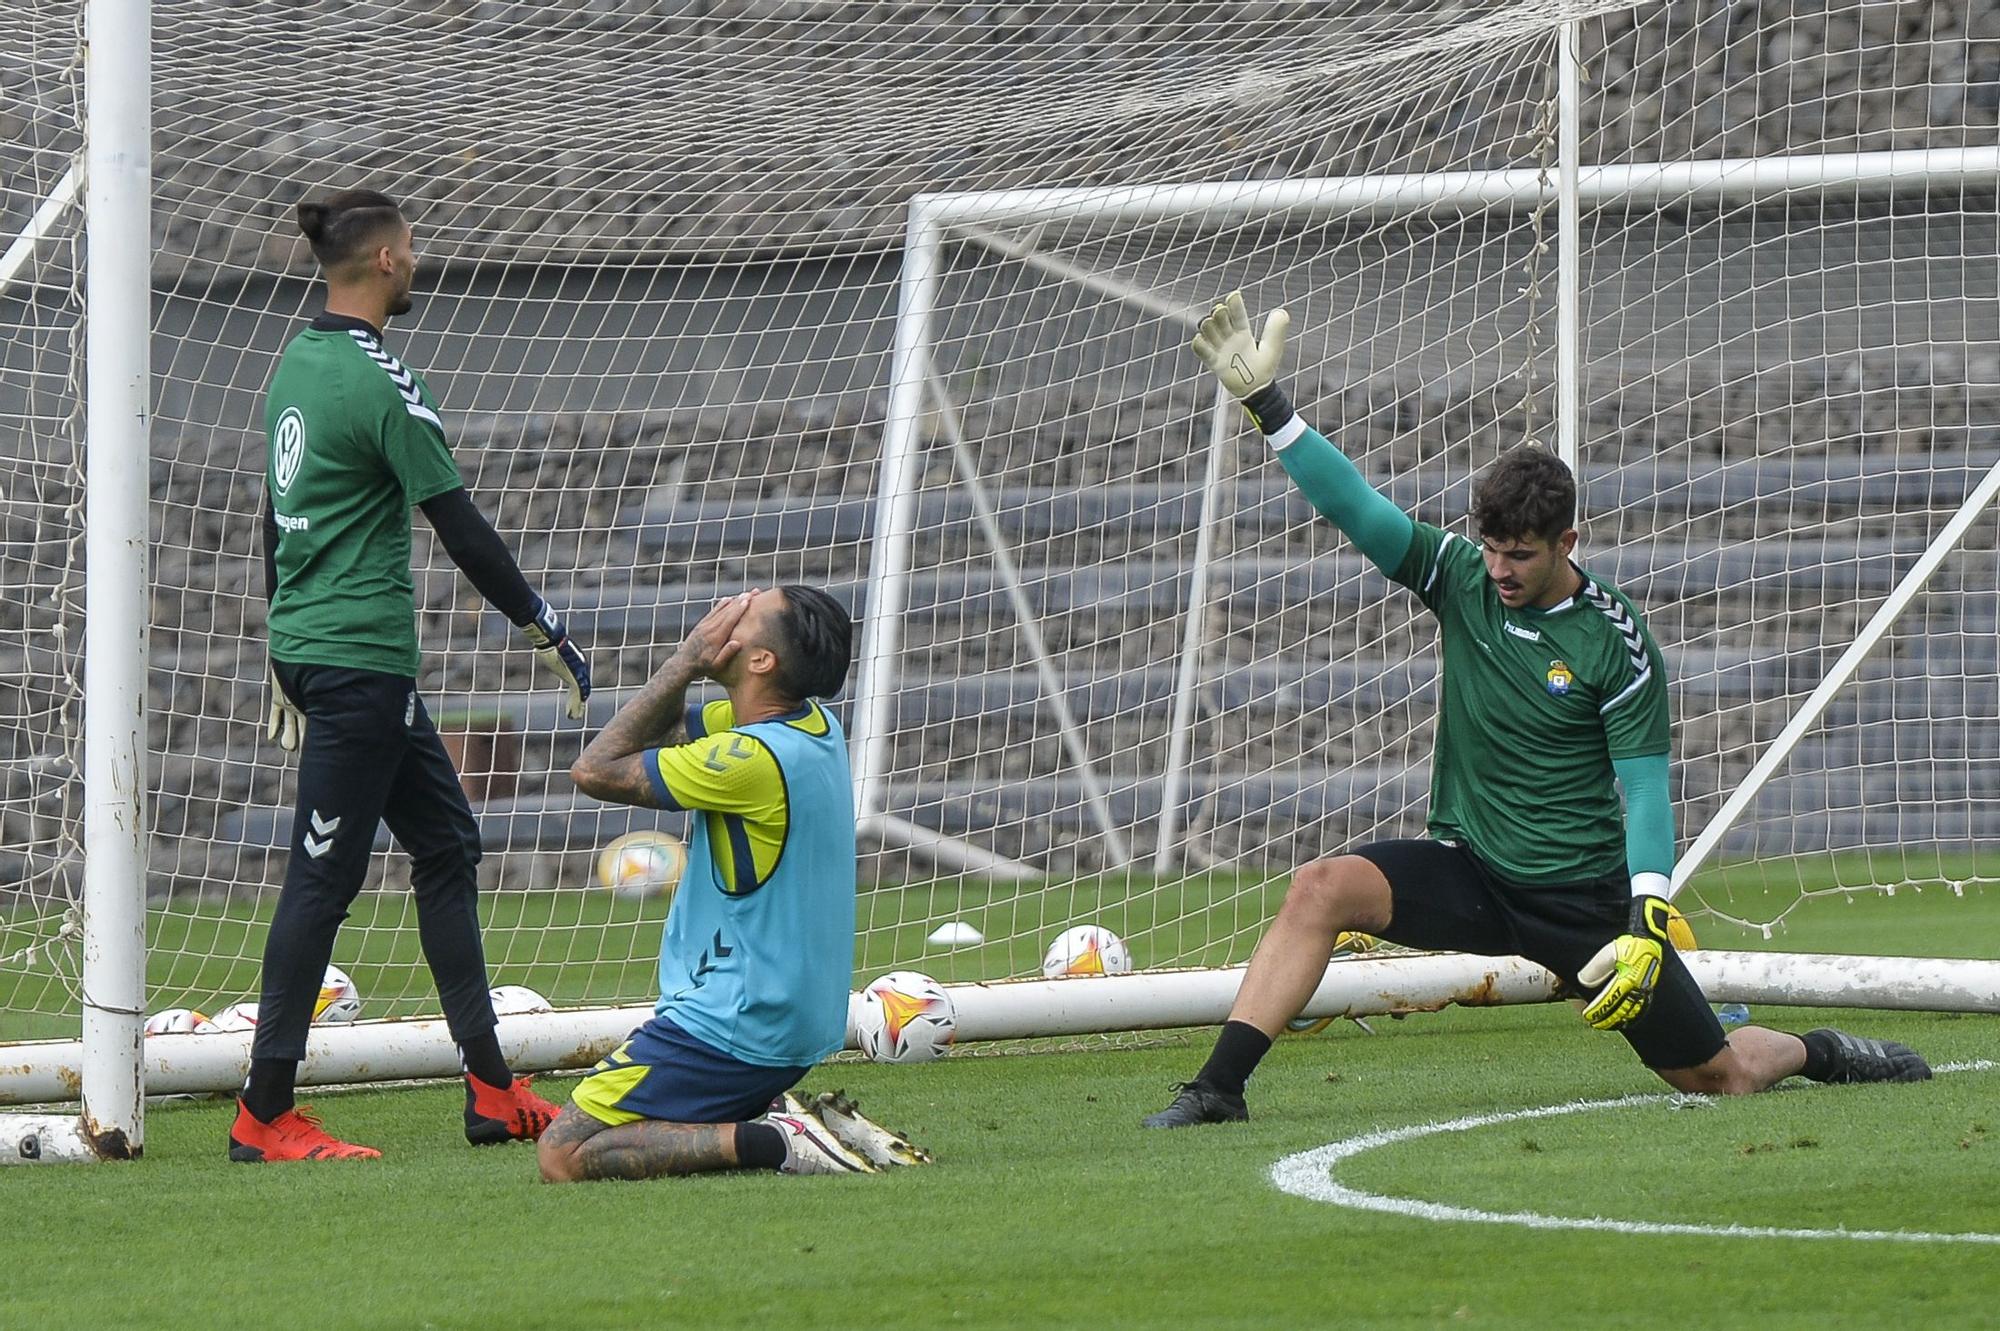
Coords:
719,948
317,846
405,380
739,749
1621,619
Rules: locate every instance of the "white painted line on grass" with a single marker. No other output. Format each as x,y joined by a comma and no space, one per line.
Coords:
1309,1174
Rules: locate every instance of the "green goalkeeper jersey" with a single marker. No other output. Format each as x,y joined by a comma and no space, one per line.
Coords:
355,441
1536,704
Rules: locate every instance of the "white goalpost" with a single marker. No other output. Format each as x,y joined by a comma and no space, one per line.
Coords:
925,346
107,1075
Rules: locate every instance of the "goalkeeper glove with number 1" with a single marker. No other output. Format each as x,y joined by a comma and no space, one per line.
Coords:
1247,363
553,648
1628,966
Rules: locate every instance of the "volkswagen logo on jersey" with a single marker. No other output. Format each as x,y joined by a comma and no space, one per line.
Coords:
288,442
1560,679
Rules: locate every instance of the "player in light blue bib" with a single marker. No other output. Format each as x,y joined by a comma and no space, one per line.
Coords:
759,944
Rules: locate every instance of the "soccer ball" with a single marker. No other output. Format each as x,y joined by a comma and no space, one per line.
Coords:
510,1000
338,1001
177,1021
1087,949
235,1017
904,1017
642,864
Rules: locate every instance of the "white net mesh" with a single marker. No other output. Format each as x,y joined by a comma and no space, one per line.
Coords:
661,252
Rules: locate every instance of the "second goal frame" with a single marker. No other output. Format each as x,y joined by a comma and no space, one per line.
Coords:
938,220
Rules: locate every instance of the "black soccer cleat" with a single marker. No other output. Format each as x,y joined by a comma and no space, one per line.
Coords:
1198,1102
1857,1058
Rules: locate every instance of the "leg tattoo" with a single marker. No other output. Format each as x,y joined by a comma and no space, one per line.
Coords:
647,1148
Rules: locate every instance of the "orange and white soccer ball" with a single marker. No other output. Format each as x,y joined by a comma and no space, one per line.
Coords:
338,1001
646,863
177,1021
511,1000
904,1017
235,1017
1088,949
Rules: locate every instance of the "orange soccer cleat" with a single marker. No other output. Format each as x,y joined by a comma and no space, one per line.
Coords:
292,1135
495,1114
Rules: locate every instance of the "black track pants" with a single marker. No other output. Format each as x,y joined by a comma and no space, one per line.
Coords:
371,754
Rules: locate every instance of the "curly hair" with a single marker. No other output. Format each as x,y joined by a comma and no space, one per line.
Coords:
1527,492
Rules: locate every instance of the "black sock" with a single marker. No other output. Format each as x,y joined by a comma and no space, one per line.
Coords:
1234,1057
482,1058
759,1146
1819,1055
268,1092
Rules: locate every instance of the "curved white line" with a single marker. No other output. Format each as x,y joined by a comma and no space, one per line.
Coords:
1309,1174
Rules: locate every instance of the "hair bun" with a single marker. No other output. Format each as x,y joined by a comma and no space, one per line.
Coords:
312,220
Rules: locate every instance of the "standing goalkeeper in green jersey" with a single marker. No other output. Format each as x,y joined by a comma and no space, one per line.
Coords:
1554,695
356,441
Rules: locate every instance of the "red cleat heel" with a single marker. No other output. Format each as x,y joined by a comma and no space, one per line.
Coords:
495,1114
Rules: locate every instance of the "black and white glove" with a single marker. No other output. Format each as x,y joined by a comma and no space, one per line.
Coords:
559,655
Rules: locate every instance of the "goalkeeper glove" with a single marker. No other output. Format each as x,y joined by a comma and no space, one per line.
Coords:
554,650
1628,966
286,721
1247,363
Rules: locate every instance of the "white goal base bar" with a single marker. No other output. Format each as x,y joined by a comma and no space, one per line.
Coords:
369,1051
56,1139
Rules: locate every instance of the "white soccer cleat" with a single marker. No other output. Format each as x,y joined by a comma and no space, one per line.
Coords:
811,1148
873,1142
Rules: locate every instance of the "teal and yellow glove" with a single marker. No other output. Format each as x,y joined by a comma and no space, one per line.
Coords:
1246,362
1628,966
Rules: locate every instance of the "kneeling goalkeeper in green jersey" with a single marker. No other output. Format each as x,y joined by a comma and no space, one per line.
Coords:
1553,695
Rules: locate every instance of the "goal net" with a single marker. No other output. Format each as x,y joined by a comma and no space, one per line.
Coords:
1114,669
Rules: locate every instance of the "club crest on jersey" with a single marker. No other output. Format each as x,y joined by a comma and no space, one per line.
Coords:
290,447
1560,678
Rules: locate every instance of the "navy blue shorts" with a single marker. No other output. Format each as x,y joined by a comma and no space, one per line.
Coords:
662,1072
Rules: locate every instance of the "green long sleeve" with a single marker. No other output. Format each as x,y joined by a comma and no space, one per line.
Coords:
1336,488
1649,814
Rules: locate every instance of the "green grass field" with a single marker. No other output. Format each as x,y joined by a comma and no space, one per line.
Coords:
1048,1205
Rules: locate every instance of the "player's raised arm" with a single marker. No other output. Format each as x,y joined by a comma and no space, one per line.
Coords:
472,544
613,766
1247,364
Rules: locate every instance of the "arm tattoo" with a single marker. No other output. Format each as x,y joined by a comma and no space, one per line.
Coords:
611,767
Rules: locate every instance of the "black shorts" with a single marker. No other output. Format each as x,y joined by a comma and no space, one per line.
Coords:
1447,900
